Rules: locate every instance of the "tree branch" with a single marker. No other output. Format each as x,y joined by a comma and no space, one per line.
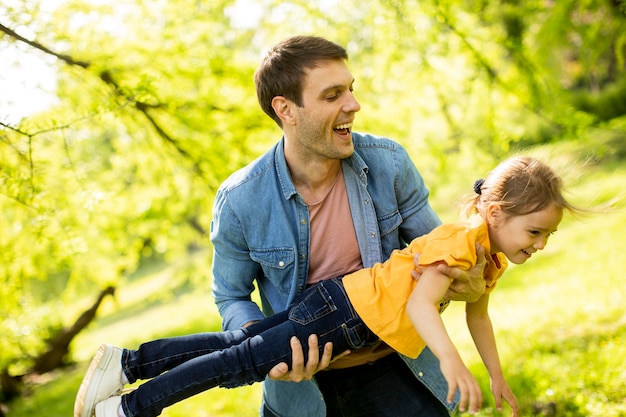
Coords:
65,58
106,77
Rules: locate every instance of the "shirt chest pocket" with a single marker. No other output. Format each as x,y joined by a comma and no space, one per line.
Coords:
277,264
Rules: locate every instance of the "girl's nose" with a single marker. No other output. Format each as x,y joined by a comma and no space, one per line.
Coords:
541,243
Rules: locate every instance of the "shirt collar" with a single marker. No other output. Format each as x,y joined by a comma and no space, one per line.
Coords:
355,162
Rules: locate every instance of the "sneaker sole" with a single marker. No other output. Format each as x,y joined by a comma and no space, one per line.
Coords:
84,406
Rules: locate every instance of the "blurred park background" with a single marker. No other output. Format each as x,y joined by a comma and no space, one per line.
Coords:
119,120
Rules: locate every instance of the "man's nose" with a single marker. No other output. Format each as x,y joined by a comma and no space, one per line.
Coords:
352,105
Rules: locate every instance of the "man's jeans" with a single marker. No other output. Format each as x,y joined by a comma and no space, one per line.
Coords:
385,388
198,362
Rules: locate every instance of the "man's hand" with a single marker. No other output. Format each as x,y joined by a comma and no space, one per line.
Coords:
300,371
466,286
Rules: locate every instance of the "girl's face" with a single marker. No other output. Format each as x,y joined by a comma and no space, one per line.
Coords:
518,237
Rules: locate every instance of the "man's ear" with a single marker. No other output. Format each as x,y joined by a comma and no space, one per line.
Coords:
284,109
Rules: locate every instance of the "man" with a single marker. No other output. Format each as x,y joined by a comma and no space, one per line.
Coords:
323,202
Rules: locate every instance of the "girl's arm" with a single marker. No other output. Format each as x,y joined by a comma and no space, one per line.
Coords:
480,327
423,310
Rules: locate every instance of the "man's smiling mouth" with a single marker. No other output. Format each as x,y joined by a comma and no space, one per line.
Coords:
343,129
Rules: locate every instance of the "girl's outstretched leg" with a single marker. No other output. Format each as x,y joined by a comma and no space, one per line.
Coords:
235,366
113,367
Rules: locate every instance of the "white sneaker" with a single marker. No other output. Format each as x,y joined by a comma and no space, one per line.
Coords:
109,407
102,380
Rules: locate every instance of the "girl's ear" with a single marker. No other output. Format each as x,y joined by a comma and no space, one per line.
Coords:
284,109
494,213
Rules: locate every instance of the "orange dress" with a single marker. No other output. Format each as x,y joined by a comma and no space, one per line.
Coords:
380,294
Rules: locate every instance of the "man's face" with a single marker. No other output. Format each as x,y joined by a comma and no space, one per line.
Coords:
324,122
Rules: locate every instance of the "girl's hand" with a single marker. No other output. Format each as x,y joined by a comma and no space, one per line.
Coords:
460,378
500,390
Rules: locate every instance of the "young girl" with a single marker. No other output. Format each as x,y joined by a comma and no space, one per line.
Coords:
512,214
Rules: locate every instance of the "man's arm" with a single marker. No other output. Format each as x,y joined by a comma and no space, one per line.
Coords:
233,269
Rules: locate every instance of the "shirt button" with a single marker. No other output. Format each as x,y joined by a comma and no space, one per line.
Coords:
281,264
303,221
372,234
420,374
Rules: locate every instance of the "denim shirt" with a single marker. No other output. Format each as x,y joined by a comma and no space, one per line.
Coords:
260,233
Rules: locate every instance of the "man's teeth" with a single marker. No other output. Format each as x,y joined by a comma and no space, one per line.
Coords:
343,126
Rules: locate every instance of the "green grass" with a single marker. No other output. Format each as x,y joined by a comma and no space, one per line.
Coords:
560,321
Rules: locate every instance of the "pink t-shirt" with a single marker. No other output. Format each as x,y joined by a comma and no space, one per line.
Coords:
335,253
332,228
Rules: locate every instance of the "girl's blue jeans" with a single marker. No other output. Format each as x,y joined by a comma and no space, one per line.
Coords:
198,362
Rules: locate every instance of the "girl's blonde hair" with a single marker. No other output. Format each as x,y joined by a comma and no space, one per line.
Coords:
520,185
